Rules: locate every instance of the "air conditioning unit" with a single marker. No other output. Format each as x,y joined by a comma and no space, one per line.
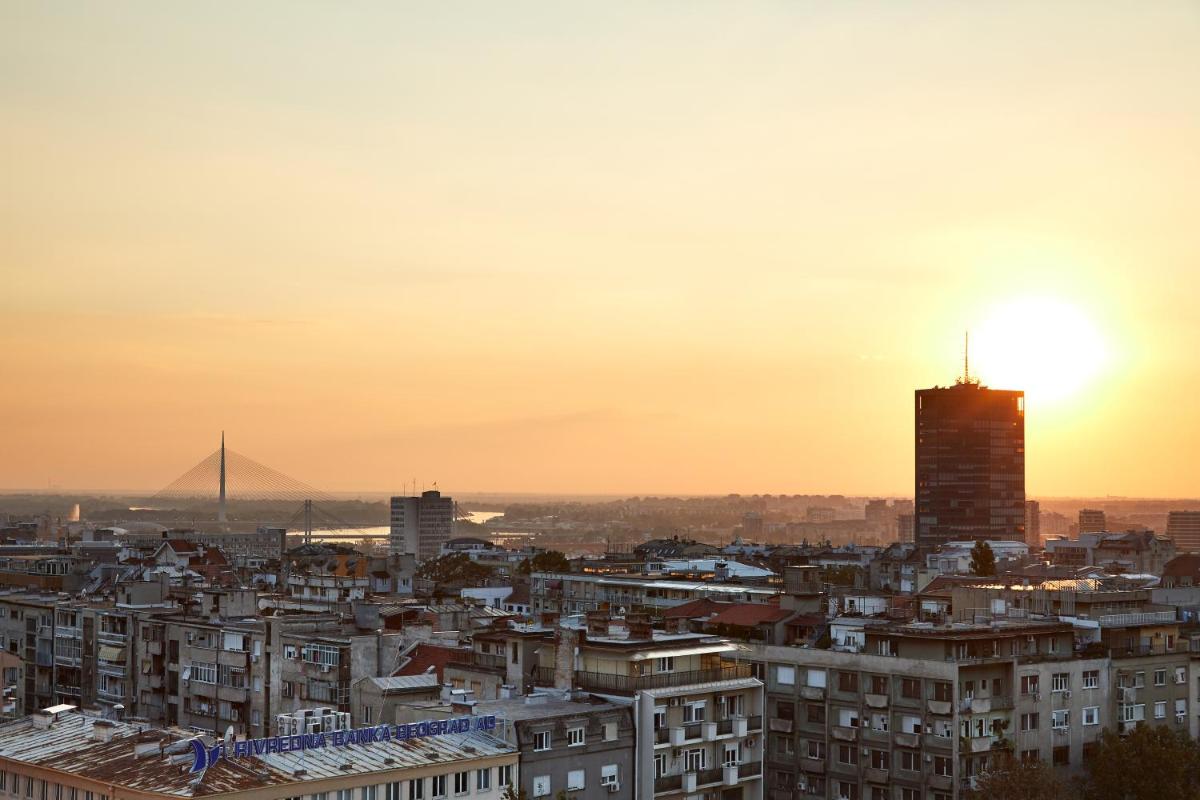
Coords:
674,701
325,668
1066,694
928,759
1037,696
614,787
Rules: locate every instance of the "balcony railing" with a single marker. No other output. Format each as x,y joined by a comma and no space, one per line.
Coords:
1142,618
627,684
476,659
668,783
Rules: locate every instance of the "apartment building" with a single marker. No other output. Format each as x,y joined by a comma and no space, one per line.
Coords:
920,709
582,747
572,593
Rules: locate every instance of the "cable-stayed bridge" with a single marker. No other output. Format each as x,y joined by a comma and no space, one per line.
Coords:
226,475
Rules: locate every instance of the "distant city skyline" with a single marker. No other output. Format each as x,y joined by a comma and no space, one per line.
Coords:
618,249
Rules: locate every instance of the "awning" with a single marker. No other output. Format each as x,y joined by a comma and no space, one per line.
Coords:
112,653
722,647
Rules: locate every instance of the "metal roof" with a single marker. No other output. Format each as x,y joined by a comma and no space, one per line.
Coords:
427,680
68,746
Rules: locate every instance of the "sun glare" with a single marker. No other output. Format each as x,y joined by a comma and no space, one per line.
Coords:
1046,347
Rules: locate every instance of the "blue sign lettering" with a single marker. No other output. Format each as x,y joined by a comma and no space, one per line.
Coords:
204,757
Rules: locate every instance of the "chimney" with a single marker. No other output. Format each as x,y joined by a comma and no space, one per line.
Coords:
638,624
549,619
566,643
597,624
102,731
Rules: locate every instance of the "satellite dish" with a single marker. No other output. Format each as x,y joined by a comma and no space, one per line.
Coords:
229,733
621,611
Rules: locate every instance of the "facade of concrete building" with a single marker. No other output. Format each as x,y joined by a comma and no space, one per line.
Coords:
585,749
1033,523
1139,552
420,526
314,662
1092,520
1184,528
920,711
376,700
970,464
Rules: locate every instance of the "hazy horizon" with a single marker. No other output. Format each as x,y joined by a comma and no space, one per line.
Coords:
582,249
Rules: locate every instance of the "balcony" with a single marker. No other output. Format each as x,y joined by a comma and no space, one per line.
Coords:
232,694
154,648
781,725
752,769
844,733
112,637
114,668
981,744
628,684
984,705
876,700
668,783
943,708
938,742
1143,618
873,775
485,660
873,735
812,692
754,723
941,782
912,740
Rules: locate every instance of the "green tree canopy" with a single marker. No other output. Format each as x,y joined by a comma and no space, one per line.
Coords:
454,568
1011,778
983,560
1150,763
549,561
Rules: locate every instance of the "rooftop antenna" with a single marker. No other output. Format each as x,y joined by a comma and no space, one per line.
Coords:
966,378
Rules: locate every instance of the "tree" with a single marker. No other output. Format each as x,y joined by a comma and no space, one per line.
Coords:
1011,778
454,568
549,561
983,560
511,792
1150,763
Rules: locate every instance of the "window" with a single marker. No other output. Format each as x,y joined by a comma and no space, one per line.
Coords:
438,786
1160,677
1180,707
910,794
1060,682
816,678
1029,684
609,775
694,712
664,664
879,759
910,688
848,717
541,786
1060,718
660,764
506,775
483,780
392,791
1062,755
785,676
201,672
910,760
784,745
575,780
847,790
879,684
574,737
1133,713
541,741
694,760
847,754
1160,709
942,766
879,722
785,710
462,782
1091,678
847,681
814,713
732,756
1139,680
610,731
344,794
367,793
910,724
1030,722
1181,674
1091,715
1030,756
366,714
660,717
289,651
943,691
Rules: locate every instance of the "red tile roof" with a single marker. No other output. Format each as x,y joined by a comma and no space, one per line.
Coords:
696,608
426,656
1183,566
749,615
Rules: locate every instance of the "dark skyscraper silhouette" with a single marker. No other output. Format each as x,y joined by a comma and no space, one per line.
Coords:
970,463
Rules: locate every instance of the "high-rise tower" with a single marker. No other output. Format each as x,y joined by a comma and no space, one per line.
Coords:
970,463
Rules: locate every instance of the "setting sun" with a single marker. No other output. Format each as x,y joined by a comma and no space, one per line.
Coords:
1044,346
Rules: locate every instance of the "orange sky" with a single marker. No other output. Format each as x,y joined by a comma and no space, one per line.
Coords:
669,247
